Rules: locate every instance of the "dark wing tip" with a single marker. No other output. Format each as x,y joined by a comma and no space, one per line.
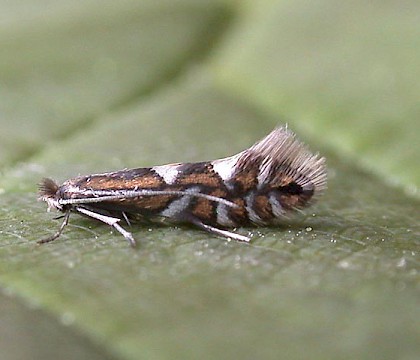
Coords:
47,188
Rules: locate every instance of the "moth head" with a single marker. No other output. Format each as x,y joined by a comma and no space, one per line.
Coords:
48,192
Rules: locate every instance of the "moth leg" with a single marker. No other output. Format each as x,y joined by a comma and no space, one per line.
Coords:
126,218
219,232
109,221
60,230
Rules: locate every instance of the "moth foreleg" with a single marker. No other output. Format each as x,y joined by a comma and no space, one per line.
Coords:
109,220
60,230
219,232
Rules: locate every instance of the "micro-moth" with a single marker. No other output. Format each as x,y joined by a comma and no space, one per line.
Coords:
258,186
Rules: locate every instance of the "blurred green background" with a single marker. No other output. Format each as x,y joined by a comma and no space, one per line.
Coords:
89,86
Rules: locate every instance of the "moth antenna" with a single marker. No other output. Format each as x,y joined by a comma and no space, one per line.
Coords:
106,196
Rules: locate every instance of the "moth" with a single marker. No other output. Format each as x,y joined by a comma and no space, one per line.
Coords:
258,186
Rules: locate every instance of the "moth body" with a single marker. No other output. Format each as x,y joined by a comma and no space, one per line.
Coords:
259,186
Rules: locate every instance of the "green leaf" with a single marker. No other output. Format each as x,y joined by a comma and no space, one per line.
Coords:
339,281
343,73
63,66
29,333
